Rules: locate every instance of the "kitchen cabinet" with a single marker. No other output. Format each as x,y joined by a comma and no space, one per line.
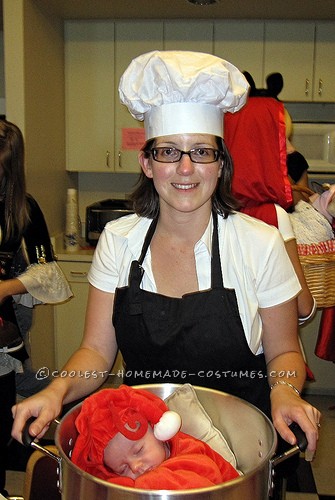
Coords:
89,95
191,35
289,50
131,40
242,44
304,52
324,67
69,317
102,136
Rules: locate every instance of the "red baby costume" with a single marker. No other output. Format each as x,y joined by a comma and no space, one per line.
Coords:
191,464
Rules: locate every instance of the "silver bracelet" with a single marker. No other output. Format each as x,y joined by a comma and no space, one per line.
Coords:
283,382
311,314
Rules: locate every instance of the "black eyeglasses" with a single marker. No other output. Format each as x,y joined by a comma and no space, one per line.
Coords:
197,155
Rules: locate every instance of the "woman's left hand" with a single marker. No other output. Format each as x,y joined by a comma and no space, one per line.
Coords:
11,287
288,407
283,355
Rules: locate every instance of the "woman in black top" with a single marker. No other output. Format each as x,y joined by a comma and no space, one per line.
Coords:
28,273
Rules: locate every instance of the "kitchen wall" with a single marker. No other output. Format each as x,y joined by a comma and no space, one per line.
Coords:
35,101
95,187
2,76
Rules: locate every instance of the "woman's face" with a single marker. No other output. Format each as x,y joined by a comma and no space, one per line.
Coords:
134,458
184,185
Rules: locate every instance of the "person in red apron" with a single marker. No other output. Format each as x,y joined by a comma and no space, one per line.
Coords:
188,288
257,141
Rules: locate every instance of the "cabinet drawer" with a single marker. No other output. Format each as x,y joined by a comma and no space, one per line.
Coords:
75,272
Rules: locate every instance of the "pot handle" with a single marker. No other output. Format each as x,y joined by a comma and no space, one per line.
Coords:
300,446
29,440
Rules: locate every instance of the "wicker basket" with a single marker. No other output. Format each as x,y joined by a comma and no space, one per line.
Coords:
319,270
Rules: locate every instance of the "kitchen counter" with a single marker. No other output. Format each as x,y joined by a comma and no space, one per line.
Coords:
320,166
83,254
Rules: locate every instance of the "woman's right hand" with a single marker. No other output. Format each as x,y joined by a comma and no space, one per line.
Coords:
45,406
96,355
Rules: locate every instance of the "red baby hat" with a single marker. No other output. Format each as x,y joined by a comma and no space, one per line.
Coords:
125,410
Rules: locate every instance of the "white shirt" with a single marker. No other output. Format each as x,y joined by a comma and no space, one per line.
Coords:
254,263
284,224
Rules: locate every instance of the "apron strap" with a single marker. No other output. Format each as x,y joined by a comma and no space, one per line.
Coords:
216,271
147,241
136,270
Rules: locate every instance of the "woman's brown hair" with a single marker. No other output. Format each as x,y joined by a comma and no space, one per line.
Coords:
13,184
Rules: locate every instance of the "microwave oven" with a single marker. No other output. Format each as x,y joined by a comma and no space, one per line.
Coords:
101,212
316,142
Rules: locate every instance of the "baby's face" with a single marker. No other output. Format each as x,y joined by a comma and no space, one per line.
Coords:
134,458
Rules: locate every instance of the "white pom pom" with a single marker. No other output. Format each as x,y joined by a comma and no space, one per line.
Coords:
168,426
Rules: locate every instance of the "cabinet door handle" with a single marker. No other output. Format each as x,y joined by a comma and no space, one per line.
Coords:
78,274
320,87
107,159
306,86
120,162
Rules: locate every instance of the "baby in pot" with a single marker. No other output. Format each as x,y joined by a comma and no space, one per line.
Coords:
129,437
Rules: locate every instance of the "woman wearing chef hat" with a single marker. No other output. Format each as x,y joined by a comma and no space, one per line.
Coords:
187,288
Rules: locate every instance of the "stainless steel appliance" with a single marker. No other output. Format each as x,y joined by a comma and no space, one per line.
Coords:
101,212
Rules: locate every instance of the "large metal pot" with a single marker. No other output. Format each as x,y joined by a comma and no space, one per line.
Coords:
248,431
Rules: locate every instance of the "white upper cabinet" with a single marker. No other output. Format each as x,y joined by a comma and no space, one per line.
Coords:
89,94
196,36
324,68
304,52
102,136
289,50
242,44
131,40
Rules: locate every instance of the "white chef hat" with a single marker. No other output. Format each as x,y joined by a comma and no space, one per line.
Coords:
178,92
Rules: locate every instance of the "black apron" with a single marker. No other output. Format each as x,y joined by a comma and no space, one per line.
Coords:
196,339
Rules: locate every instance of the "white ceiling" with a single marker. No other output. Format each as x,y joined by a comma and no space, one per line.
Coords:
182,9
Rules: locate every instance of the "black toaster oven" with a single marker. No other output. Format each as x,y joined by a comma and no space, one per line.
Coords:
101,212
